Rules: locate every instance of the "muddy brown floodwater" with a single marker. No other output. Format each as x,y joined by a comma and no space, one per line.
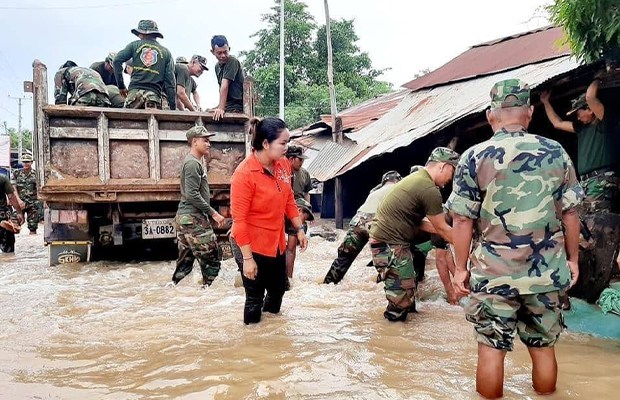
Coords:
113,331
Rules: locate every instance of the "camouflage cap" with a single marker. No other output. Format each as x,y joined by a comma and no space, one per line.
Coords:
295,151
26,158
198,131
182,60
304,205
510,93
201,60
147,27
577,104
415,168
391,176
111,56
444,154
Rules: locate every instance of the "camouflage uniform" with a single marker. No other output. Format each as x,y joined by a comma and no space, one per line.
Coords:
83,84
26,184
7,238
142,98
195,236
515,187
602,192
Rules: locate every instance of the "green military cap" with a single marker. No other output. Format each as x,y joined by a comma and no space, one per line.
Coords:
578,103
181,60
415,168
198,131
304,205
26,158
444,154
295,151
510,93
147,27
391,176
111,56
200,60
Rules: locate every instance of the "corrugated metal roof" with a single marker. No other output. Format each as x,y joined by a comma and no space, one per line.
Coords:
495,56
424,112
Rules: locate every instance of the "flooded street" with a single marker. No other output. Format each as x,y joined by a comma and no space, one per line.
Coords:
114,331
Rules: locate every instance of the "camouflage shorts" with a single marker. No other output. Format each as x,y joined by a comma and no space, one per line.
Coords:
93,99
141,98
602,192
537,318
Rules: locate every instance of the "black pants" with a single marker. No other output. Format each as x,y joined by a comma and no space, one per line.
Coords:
271,277
7,238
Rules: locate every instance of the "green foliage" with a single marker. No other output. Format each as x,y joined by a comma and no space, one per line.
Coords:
306,94
592,27
26,138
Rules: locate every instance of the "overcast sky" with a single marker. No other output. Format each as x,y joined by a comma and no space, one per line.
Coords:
403,35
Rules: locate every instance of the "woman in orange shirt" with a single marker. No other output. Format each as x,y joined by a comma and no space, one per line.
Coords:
260,198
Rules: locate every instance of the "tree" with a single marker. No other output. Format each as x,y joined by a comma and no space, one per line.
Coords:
26,138
306,94
592,27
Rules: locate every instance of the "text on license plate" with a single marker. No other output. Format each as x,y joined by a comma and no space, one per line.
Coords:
158,229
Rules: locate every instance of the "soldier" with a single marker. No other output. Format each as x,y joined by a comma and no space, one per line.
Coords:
518,190
192,88
359,229
152,69
194,232
7,227
398,224
26,184
106,69
598,146
83,84
116,99
230,77
184,73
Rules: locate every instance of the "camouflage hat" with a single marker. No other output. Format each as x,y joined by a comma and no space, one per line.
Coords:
201,60
295,151
577,104
391,176
304,205
444,154
182,60
510,93
26,158
111,56
198,131
147,27
415,168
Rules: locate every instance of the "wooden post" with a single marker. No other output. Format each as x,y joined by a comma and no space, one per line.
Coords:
41,145
103,148
336,121
154,157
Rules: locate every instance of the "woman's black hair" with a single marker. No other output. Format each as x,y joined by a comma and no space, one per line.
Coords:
265,129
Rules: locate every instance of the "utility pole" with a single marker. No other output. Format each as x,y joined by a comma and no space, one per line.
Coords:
336,121
19,125
282,59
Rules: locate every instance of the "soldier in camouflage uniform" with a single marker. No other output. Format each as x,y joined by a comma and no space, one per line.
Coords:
26,184
152,69
398,225
359,229
83,84
7,235
598,134
196,238
518,190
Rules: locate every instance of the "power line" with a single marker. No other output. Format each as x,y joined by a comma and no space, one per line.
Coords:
87,7
7,110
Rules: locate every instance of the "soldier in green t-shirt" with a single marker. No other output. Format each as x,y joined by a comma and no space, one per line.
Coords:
106,69
184,71
598,136
152,69
230,77
398,224
195,235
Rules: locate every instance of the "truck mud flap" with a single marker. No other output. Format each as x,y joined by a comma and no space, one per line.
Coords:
68,252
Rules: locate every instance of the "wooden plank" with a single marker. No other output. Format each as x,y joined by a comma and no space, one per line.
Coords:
129,134
154,160
179,136
72,133
41,122
248,109
103,141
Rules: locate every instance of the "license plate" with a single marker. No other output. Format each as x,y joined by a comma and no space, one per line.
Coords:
158,229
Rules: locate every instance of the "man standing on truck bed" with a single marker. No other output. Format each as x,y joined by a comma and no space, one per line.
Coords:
184,73
230,77
83,84
153,67
106,69
194,232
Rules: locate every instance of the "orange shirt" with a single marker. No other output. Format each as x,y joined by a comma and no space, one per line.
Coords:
259,201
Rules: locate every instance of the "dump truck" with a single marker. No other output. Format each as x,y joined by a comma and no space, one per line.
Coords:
109,177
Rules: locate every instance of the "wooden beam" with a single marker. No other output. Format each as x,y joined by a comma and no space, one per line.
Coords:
41,143
103,149
154,158
73,133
